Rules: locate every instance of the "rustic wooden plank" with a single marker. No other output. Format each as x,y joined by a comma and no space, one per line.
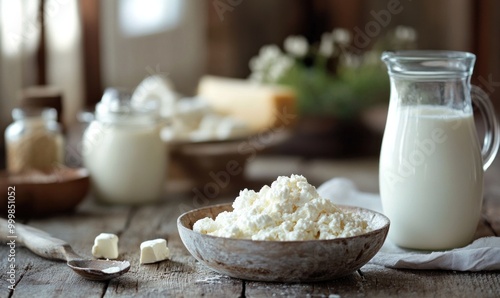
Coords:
382,282
378,281
39,277
363,172
180,276
262,289
259,169
184,276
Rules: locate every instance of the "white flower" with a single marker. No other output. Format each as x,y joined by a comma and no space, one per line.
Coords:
270,65
341,36
258,68
269,52
278,69
257,63
405,34
260,64
326,47
296,45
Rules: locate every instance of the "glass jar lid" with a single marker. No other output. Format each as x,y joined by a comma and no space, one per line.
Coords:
116,107
47,114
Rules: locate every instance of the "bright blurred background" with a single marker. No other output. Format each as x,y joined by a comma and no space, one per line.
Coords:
327,50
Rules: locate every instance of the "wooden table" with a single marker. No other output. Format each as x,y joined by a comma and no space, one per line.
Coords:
183,276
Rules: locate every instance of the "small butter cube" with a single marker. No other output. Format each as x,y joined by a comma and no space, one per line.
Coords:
153,251
105,246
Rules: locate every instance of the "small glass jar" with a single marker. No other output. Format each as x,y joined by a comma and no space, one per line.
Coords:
34,140
124,153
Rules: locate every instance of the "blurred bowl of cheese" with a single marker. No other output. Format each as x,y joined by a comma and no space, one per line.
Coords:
223,127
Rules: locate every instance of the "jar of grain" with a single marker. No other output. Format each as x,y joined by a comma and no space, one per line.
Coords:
124,153
34,140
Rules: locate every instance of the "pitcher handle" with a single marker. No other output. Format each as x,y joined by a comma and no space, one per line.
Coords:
491,141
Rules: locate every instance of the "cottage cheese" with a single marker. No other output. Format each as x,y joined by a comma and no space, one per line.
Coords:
291,209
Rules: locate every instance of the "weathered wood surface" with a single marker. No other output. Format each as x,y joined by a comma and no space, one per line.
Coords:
183,276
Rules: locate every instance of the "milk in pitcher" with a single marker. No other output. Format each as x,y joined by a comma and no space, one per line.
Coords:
431,175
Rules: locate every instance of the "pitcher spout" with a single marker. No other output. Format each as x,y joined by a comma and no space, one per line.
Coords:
430,64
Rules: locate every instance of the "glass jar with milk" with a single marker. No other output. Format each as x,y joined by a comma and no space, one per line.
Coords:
431,161
123,151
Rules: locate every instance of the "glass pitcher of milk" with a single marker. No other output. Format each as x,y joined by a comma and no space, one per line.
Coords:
431,161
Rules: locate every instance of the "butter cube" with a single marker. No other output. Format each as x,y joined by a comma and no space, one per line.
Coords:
153,251
105,246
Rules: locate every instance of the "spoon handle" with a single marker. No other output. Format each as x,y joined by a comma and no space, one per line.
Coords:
38,241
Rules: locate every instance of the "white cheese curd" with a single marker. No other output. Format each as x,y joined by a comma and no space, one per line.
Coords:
105,246
195,120
153,251
289,210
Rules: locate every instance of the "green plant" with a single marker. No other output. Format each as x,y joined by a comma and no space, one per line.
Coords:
331,77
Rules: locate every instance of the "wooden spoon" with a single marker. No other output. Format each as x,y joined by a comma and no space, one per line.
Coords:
46,246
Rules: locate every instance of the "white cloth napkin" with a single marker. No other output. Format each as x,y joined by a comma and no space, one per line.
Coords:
481,255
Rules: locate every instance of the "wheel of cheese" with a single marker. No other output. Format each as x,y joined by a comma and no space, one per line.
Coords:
261,107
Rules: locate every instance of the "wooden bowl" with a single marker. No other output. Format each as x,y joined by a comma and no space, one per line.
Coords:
199,161
283,261
37,194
